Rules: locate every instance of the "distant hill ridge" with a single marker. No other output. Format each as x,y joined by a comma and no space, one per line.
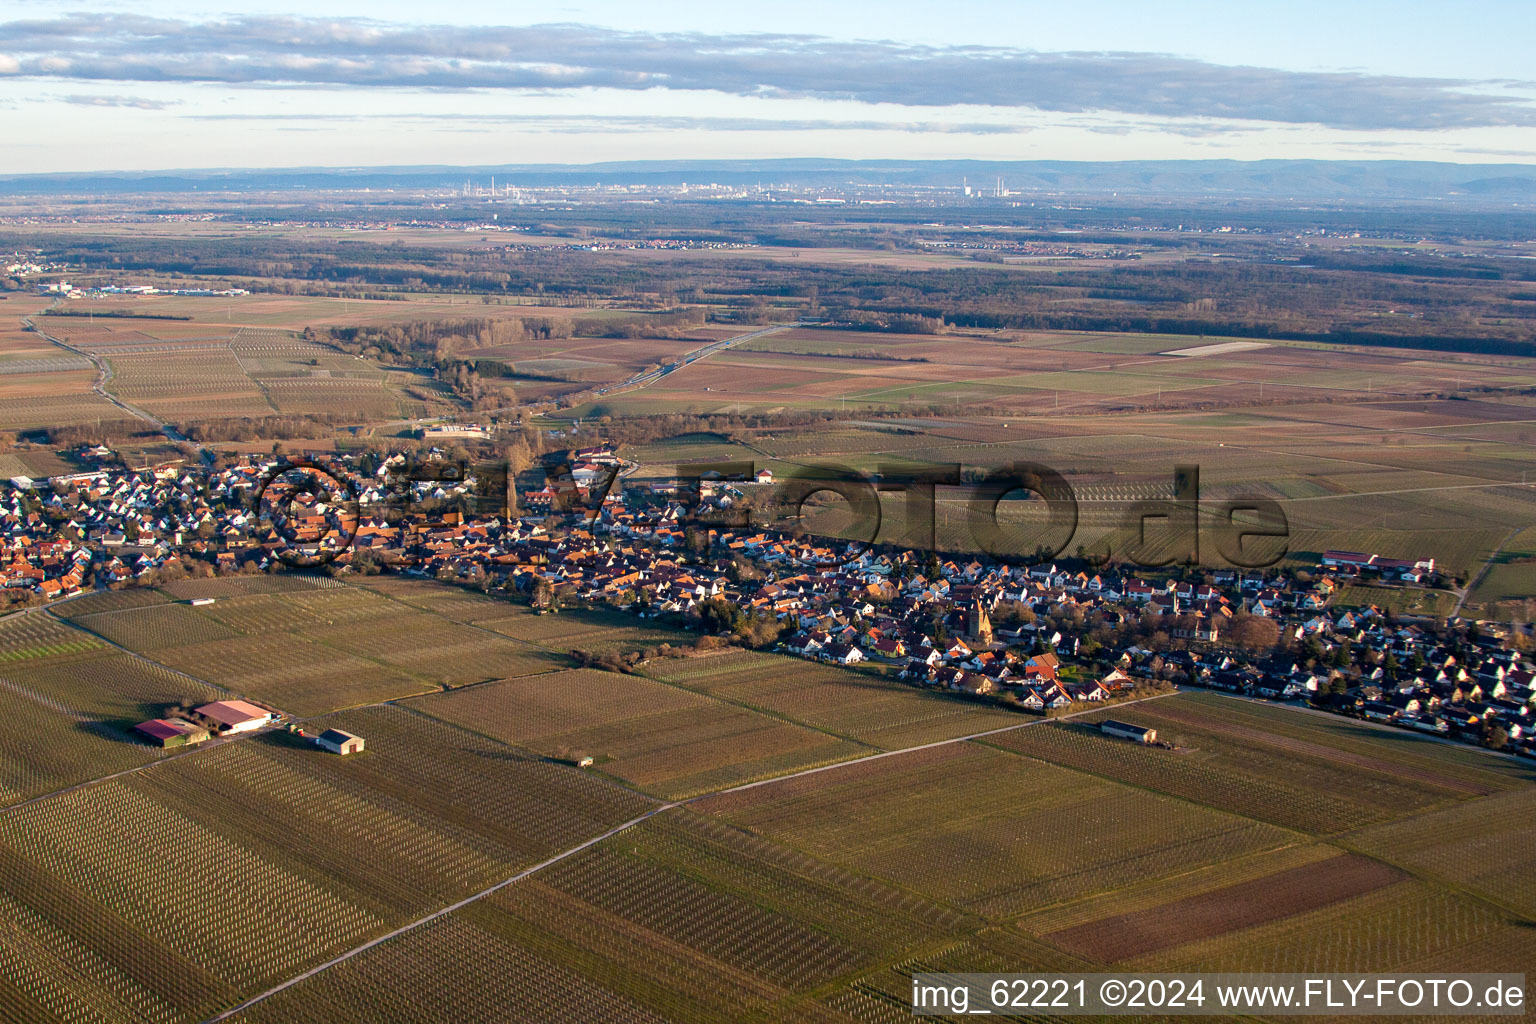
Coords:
1302,180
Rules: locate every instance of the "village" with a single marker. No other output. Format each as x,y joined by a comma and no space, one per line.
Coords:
1043,638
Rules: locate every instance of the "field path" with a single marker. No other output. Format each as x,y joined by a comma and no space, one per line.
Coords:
104,370
1472,584
625,826
442,912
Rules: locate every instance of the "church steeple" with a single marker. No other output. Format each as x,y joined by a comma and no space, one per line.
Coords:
981,624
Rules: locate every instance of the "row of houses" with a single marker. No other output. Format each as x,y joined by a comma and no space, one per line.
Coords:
928,619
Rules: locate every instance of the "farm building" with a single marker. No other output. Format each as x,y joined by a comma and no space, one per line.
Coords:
171,732
200,601
1347,559
338,742
236,715
1123,731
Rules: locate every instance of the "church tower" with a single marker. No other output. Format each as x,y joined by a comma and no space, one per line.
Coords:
981,625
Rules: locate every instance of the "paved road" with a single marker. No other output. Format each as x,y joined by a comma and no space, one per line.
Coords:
641,380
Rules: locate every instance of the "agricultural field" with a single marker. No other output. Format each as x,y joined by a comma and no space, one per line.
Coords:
234,586
456,603
1017,373
1439,478
43,385
1511,573
305,644
679,920
310,645
434,649
1401,925
109,914
866,708
30,411
152,627
594,631
110,601
296,312
1315,774
112,689
46,746
1043,847
180,372
662,739
297,675
35,461
991,832
36,635
66,701
1486,847
1232,907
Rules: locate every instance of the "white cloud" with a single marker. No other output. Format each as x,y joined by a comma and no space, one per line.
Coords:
369,54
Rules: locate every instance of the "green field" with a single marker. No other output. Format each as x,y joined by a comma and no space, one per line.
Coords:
1397,600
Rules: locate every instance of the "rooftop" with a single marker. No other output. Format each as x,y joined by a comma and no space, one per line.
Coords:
233,712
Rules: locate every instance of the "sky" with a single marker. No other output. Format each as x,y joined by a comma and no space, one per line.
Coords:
161,84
